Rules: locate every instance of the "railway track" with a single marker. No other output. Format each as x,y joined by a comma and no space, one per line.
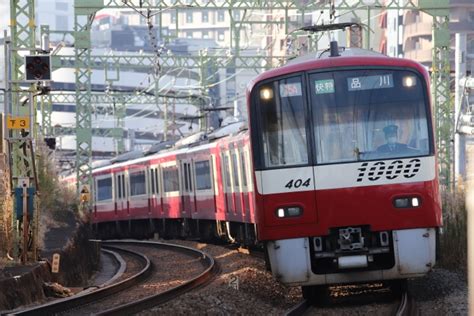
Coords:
402,305
99,301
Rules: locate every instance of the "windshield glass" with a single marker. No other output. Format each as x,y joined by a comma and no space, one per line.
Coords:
282,114
370,114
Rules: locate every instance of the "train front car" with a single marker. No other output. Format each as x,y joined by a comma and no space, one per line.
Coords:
345,170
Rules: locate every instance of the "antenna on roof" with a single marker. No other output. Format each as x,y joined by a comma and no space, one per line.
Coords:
333,46
328,27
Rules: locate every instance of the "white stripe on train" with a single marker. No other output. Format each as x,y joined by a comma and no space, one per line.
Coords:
350,175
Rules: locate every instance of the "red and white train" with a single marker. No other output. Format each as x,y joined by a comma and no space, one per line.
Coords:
336,175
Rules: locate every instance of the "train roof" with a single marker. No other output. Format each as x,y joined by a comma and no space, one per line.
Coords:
188,144
343,51
349,57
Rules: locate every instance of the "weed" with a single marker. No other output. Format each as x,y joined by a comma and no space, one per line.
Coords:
453,240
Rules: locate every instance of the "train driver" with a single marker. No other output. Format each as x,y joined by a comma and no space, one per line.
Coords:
392,145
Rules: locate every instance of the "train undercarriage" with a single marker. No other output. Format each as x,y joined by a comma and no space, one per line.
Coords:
206,230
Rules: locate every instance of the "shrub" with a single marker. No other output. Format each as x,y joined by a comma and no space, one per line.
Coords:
453,240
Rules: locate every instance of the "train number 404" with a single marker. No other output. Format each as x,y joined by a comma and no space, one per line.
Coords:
297,183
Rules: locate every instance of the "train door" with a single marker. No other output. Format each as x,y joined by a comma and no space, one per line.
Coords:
245,183
120,197
226,176
237,189
155,197
218,200
187,194
126,185
170,190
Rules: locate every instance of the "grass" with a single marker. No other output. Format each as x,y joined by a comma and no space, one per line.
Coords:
453,240
55,201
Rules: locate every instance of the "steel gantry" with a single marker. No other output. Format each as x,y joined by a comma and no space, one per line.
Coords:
21,105
84,62
46,102
23,27
82,21
441,88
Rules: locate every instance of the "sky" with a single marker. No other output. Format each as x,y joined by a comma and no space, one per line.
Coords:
4,15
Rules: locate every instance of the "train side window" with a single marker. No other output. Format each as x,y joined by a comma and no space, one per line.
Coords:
157,187
152,180
190,179
157,180
203,175
170,179
187,177
104,189
214,174
235,170
244,169
119,187
124,192
122,186
137,183
228,183
184,179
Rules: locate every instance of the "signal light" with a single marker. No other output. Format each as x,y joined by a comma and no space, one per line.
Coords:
38,67
50,142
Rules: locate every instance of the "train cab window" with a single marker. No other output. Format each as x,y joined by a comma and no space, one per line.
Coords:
203,175
282,123
104,189
369,114
170,179
137,183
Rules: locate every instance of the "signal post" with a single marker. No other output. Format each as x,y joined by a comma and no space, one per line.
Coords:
27,65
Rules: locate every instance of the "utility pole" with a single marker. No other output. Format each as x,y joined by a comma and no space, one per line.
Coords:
459,138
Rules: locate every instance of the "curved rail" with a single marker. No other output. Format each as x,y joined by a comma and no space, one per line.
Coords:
205,277
86,297
406,305
299,309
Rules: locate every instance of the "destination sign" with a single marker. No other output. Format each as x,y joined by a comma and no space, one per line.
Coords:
290,90
370,82
324,86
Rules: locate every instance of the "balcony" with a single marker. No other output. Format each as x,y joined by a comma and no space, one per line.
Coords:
461,3
420,55
461,27
418,29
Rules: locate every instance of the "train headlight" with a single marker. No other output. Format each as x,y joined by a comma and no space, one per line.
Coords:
406,202
266,94
291,211
409,81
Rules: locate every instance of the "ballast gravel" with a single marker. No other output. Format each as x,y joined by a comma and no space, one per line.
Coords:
244,287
